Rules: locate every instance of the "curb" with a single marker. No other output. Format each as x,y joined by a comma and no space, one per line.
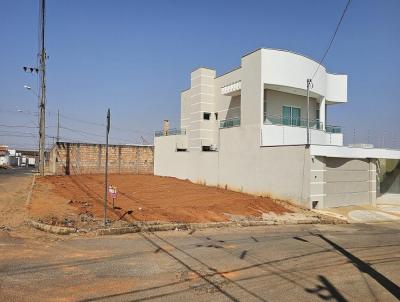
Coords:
199,226
160,227
29,197
50,228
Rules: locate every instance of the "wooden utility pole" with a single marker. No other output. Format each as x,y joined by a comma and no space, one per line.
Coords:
42,71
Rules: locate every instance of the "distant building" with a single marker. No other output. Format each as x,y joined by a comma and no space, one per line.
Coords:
4,157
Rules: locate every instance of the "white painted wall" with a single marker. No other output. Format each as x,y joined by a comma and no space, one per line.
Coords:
288,69
280,172
275,135
350,152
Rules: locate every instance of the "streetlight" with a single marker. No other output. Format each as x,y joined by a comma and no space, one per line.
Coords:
35,93
30,89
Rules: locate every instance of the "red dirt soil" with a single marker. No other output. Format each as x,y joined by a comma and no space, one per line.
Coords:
152,198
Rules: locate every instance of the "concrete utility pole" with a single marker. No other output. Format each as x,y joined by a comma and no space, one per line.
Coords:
42,71
58,125
106,169
309,83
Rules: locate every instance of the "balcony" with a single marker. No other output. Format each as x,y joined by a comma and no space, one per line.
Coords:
279,130
229,123
333,129
291,121
174,131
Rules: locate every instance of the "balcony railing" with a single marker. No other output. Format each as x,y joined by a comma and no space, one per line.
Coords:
173,131
333,129
299,122
229,123
291,121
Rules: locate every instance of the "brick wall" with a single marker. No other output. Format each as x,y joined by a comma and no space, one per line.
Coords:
79,158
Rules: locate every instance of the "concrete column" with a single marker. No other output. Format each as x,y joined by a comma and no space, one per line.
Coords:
119,159
202,131
99,158
322,113
372,180
78,159
165,127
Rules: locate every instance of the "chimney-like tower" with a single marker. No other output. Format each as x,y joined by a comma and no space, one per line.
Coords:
166,127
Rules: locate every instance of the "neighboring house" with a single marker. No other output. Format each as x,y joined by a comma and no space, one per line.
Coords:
4,159
246,130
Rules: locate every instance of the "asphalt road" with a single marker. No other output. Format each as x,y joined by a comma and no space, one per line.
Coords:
14,187
358,262
285,263
16,171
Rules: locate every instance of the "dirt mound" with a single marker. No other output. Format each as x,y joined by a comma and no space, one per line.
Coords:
67,200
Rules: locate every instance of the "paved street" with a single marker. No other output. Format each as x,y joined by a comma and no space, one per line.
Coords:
14,187
358,262
285,263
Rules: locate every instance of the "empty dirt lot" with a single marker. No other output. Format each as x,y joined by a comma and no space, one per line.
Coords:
66,199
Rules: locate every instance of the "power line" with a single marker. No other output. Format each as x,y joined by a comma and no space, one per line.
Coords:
26,112
18,126
332,39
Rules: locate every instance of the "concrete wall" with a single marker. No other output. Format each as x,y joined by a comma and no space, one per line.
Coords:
280,172
275,100
76,158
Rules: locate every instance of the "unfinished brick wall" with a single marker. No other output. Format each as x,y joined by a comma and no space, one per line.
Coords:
78,158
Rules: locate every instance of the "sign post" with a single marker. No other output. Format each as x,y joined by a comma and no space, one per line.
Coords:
106,170
113,192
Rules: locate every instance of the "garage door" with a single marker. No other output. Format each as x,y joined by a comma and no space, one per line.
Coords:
346,182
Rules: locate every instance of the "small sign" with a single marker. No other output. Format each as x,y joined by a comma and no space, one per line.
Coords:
113,191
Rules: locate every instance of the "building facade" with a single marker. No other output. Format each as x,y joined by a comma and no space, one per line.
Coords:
246,130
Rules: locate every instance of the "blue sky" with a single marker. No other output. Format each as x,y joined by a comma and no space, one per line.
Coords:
136,56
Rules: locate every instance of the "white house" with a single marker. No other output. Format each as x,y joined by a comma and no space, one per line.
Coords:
246,130
4,156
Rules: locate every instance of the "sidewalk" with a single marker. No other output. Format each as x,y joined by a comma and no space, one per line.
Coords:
387,209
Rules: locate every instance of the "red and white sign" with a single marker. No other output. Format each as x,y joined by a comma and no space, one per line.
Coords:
112,191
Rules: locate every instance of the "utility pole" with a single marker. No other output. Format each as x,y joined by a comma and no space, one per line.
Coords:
106,169
309,83
58,125
42,71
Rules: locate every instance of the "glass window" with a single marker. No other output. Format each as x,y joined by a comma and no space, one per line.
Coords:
291,116
286,114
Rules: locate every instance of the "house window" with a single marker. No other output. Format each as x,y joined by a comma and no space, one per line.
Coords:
216,116
291,116
318,123
206,116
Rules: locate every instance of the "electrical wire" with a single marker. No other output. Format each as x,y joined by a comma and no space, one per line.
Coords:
332,39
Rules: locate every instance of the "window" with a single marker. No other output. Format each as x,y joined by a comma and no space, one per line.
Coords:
206,116
216,116
318,124
291,116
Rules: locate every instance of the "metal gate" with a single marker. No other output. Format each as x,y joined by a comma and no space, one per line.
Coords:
347,181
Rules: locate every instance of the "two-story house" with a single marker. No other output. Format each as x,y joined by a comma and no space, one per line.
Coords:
246,130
